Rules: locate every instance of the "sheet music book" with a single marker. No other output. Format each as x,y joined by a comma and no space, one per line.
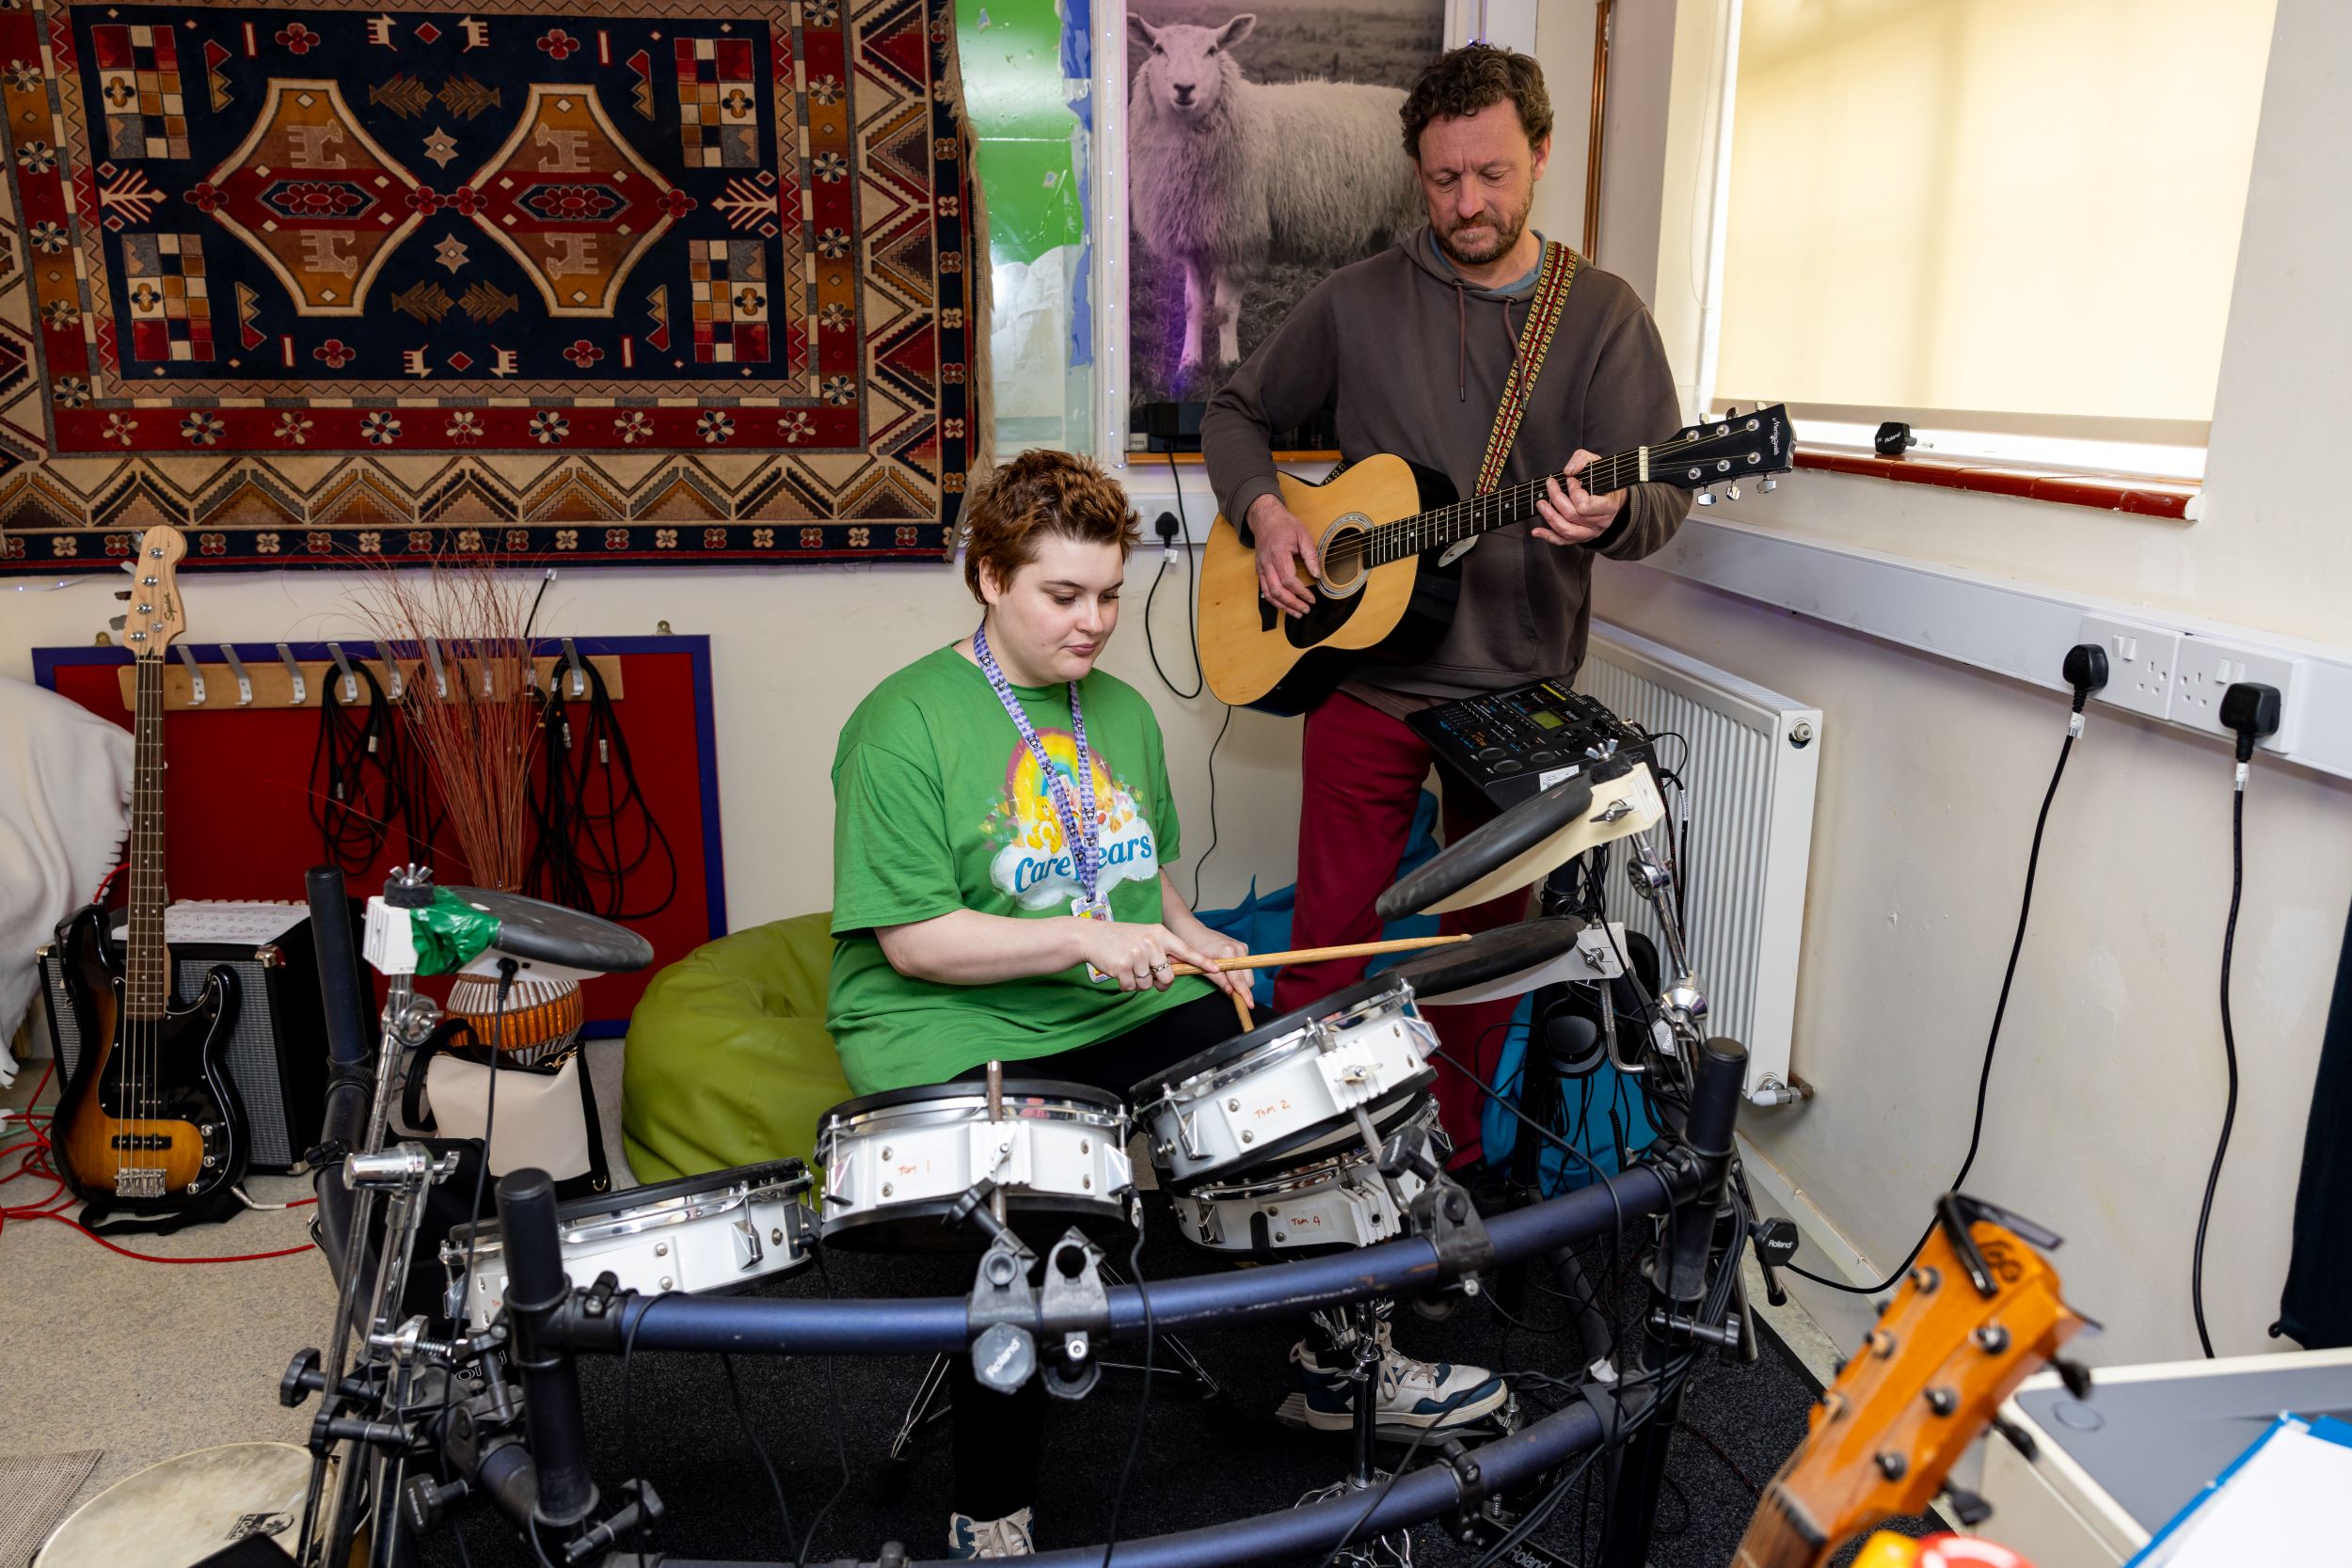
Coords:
241,922
2282,1503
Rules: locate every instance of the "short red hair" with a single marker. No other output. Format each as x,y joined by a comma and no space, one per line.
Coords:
1038,493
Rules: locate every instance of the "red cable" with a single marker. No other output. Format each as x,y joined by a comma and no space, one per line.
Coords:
41,1208
150,1257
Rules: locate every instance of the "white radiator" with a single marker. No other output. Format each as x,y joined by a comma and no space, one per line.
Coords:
1753,758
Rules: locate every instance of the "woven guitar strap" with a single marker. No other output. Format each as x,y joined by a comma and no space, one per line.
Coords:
1543,316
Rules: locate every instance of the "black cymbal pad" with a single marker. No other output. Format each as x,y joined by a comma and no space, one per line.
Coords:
1490,956
1490,847
551,934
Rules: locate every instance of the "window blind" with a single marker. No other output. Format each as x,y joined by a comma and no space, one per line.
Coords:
2026,210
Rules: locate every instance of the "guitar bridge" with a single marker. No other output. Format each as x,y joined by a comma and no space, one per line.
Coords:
139,1182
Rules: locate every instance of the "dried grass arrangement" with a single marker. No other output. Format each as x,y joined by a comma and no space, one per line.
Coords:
483,733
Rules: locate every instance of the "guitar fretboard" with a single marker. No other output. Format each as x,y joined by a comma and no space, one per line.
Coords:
1515,503
146,985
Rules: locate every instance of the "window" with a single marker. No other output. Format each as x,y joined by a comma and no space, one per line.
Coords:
2015,218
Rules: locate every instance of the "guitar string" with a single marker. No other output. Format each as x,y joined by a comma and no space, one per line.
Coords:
1618,471
142,890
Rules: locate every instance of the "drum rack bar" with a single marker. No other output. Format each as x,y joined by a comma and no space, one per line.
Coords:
1309,1531
762,1326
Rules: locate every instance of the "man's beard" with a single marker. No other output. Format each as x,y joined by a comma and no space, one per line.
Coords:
1506,236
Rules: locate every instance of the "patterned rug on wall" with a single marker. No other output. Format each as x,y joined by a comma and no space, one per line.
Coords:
626,280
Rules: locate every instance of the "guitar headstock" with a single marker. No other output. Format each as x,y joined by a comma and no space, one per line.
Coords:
1730,449
1977,1316
155,616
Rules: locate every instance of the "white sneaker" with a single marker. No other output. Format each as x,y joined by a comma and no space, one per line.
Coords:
969,1538
1414,1395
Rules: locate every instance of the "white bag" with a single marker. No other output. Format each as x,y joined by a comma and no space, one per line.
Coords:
540,1117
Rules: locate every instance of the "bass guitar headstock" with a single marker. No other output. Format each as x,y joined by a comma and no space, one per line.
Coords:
1730,449
154,616
1977,1316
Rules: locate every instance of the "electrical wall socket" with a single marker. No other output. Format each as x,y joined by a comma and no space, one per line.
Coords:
2207,667
2142,664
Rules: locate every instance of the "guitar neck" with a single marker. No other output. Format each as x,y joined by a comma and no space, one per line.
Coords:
146,985
1515,503
1780,1535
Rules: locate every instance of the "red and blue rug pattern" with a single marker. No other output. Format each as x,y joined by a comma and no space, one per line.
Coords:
679,282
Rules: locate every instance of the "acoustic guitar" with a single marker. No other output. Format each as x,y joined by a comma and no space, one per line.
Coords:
1978,1315
150,1120
1390,535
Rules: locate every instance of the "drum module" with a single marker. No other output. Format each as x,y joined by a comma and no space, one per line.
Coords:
1514,745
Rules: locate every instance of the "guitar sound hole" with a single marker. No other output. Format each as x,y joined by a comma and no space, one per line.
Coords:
1343,564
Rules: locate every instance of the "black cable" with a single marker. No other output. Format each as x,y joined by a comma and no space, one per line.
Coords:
2229,1051
652,1531
532,618
1984,1074
595,828
1394,1476
355,819
735,1402
507,970
840,1432
1211,848
1152,645
1143,1408
1192,594
1681,1496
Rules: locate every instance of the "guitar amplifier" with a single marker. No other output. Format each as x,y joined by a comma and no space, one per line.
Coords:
277,1042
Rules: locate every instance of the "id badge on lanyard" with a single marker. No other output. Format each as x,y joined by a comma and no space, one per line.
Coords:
1096,908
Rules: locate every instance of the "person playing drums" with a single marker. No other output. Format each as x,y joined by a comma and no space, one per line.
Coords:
1002,827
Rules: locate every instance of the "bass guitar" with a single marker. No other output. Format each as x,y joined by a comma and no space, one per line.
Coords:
150,1121
1390,535
1978,1315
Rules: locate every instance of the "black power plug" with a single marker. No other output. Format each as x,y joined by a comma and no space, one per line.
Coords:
2085,671
2251,710
1166,527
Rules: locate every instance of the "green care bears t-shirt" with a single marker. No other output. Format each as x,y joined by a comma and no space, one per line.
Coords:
939,806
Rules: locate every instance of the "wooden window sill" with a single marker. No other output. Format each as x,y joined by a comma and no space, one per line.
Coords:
2146,498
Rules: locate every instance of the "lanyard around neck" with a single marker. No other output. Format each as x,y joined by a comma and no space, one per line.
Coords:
1077,826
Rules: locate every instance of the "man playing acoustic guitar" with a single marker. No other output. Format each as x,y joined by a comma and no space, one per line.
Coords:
1462,300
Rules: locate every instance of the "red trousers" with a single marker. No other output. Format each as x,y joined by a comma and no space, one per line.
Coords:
1362,773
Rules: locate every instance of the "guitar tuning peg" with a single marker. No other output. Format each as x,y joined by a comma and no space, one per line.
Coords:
1707,498
1732,492
1768,486
122,592
2074,1374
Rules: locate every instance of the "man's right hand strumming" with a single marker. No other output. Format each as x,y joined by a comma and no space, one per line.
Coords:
1281,538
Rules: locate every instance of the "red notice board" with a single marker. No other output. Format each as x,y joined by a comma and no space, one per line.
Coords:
237,820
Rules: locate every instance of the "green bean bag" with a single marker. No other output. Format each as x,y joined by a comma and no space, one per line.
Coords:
727,1061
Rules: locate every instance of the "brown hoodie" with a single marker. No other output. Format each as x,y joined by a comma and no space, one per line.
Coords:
1414,358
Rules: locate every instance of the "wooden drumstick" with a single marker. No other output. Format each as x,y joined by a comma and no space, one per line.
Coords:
1241,1005
1318,955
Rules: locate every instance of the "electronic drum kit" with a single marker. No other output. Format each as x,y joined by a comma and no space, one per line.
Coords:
1312,1134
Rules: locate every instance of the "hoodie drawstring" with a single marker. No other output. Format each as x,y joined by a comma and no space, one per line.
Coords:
1461,344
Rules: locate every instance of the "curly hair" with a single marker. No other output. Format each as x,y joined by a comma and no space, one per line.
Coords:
1473,77
1038,493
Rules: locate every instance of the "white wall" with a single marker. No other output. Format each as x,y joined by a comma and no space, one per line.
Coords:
792,651
2107,1092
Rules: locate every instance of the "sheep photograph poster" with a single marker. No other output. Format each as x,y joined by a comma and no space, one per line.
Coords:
1263,152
